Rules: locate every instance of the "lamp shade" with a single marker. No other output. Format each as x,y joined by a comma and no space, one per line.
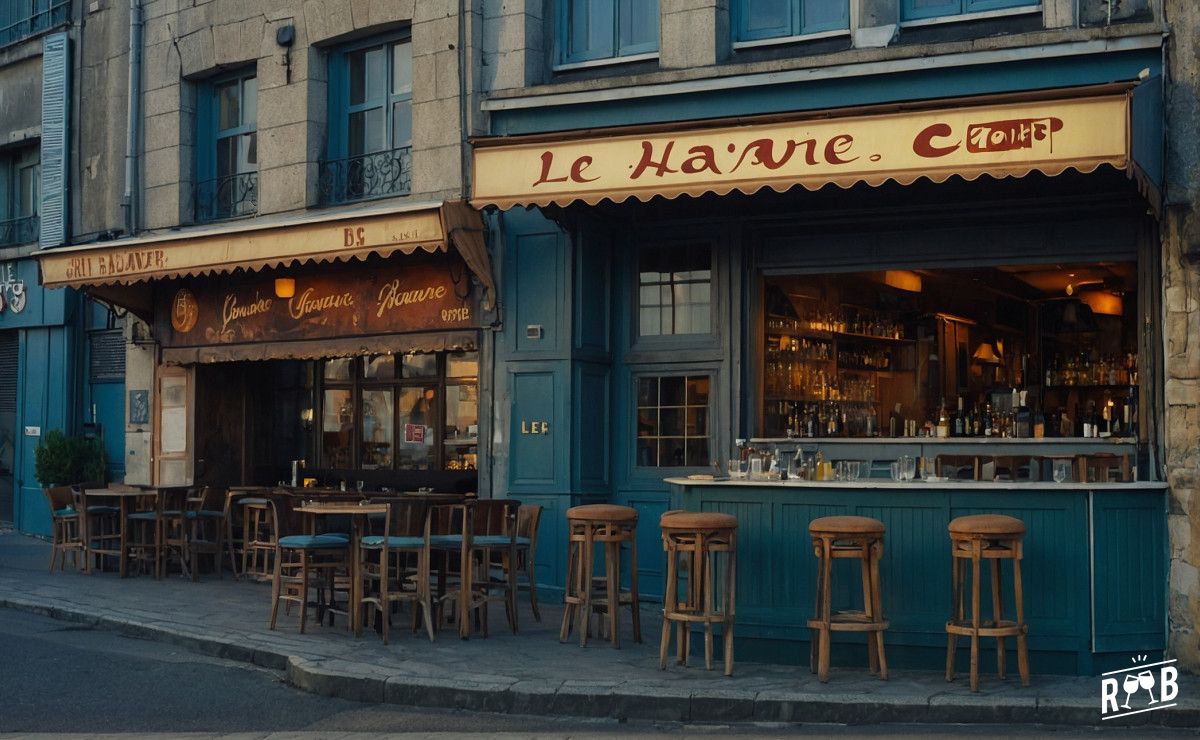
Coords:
285,287
986,354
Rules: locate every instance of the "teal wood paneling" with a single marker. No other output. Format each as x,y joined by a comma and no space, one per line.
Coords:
1130,577
534,286
109,402
592,305
842,91
776,570
591,419
650,506
537,463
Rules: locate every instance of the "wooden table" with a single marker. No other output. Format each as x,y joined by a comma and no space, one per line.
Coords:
124,496
358,513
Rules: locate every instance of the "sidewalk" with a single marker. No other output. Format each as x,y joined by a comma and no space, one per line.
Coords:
532,673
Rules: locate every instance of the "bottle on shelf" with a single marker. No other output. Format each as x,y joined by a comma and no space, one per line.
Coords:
988,423
943,421
1024,419
959,421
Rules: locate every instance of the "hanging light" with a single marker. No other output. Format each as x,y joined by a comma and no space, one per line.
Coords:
285,287
985,353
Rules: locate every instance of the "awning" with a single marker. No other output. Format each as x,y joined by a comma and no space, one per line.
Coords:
1000,136
269,242
317,349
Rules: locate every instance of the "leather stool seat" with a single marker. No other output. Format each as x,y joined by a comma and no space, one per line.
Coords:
845,525
602,512
697,520
987,524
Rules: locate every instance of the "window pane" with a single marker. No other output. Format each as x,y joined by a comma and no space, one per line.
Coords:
671,453
462,365
28,186
648,423
366,131
697,453
419,366
338,369
590,29
228,110
647,452
462,426
672,391
417,408
250,101
650,322
825,15
337,428
671,422
377,428
648,392
227,156
380,367
248,152
401,68
767,18
368,78
697,391
677,279
401,124
637,30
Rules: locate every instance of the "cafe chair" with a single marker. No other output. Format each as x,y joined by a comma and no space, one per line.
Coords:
156,530
100,525
1103,468
259,537
394,565
205,525
528,518
302,562
65,519
493,535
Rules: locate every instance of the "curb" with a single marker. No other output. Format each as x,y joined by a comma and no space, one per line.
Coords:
554,698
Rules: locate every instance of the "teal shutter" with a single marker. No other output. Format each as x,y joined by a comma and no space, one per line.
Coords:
56,86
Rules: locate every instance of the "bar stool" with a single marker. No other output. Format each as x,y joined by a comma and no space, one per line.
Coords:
692,541
612,526
835,537
976,538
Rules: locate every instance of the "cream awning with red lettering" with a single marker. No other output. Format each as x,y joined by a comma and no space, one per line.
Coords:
999,136
267,242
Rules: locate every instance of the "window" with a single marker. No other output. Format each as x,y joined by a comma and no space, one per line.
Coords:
675,290
672,421
227,160
756,20
918,10
606,29
370,132
401,412
107,356
20,187
22,18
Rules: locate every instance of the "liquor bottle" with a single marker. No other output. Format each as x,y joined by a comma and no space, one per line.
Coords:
988,426
959,420
1024,419
1088,425
895,423
1039,423
943,422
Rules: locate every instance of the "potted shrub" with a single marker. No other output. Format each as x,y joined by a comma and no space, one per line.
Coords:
60,460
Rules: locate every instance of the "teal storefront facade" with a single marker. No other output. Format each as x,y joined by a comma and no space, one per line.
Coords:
571,359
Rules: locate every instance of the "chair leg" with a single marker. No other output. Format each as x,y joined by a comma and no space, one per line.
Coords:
868,608
997,615
634,600
276,579
585,584
612,586
510,562
955,613
529,576
669,605
1022,647
975,570
304,591
572,581
877,610
826,603
706,586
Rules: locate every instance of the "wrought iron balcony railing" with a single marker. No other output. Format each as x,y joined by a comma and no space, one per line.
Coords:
227,197
19,231
19,23
366,176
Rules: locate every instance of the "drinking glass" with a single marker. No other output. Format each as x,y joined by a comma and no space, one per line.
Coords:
359,485
896,470
1061,470
735,468
853,470
909,467
928,468
756,467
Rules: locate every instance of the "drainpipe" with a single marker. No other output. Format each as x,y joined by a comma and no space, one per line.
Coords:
463,107
129,201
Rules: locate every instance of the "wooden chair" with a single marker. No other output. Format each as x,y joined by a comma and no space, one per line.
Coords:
65,517
205,520
395,564
301,561
958,467
259,536
103,525
1103,468
157,529
493,536
528,519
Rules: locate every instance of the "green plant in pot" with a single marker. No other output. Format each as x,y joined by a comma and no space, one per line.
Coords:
60,460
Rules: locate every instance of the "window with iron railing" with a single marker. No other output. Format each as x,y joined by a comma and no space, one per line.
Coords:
20,19
20,184
227,151
369,152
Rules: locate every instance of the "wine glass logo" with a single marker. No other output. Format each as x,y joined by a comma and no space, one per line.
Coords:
1130,687
1146,681
1161,676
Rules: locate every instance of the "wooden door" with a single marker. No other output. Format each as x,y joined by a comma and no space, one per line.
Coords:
173,429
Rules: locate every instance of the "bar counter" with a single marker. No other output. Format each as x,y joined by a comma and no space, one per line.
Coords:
1094,566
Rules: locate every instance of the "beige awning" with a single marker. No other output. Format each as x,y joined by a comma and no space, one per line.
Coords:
316,349
1008,136
269,242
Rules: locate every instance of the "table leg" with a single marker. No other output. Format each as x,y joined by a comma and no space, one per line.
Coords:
86,532
122,525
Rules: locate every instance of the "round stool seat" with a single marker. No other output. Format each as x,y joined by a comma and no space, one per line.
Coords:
697,520
845,525
987,524
602,513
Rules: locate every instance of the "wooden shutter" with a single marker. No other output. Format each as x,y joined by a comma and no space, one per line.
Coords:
9,345
56,95
174,403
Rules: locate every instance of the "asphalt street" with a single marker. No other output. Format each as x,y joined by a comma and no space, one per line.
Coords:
58,678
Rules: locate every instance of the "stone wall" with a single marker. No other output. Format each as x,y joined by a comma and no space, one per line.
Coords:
1181,285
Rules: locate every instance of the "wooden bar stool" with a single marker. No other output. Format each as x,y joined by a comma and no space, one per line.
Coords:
976,538
836,537
612,526
692,542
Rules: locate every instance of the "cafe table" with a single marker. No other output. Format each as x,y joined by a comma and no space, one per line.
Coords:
124,495
358,512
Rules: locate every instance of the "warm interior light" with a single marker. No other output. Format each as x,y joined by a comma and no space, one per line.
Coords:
1101,302
986,354
1070,289
903,280
285,287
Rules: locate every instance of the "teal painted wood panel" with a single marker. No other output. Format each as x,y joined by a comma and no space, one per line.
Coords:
536,460
914,572
1130,581
591,419
650,506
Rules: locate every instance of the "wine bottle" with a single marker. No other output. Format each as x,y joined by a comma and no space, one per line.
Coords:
959,423
943,422
1024,419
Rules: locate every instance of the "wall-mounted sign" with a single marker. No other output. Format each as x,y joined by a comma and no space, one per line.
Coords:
1010,139
139,407
12,289
33,431
408,295
535,427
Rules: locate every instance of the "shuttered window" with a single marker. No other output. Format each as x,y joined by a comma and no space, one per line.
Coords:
8,371
56,86
107,356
